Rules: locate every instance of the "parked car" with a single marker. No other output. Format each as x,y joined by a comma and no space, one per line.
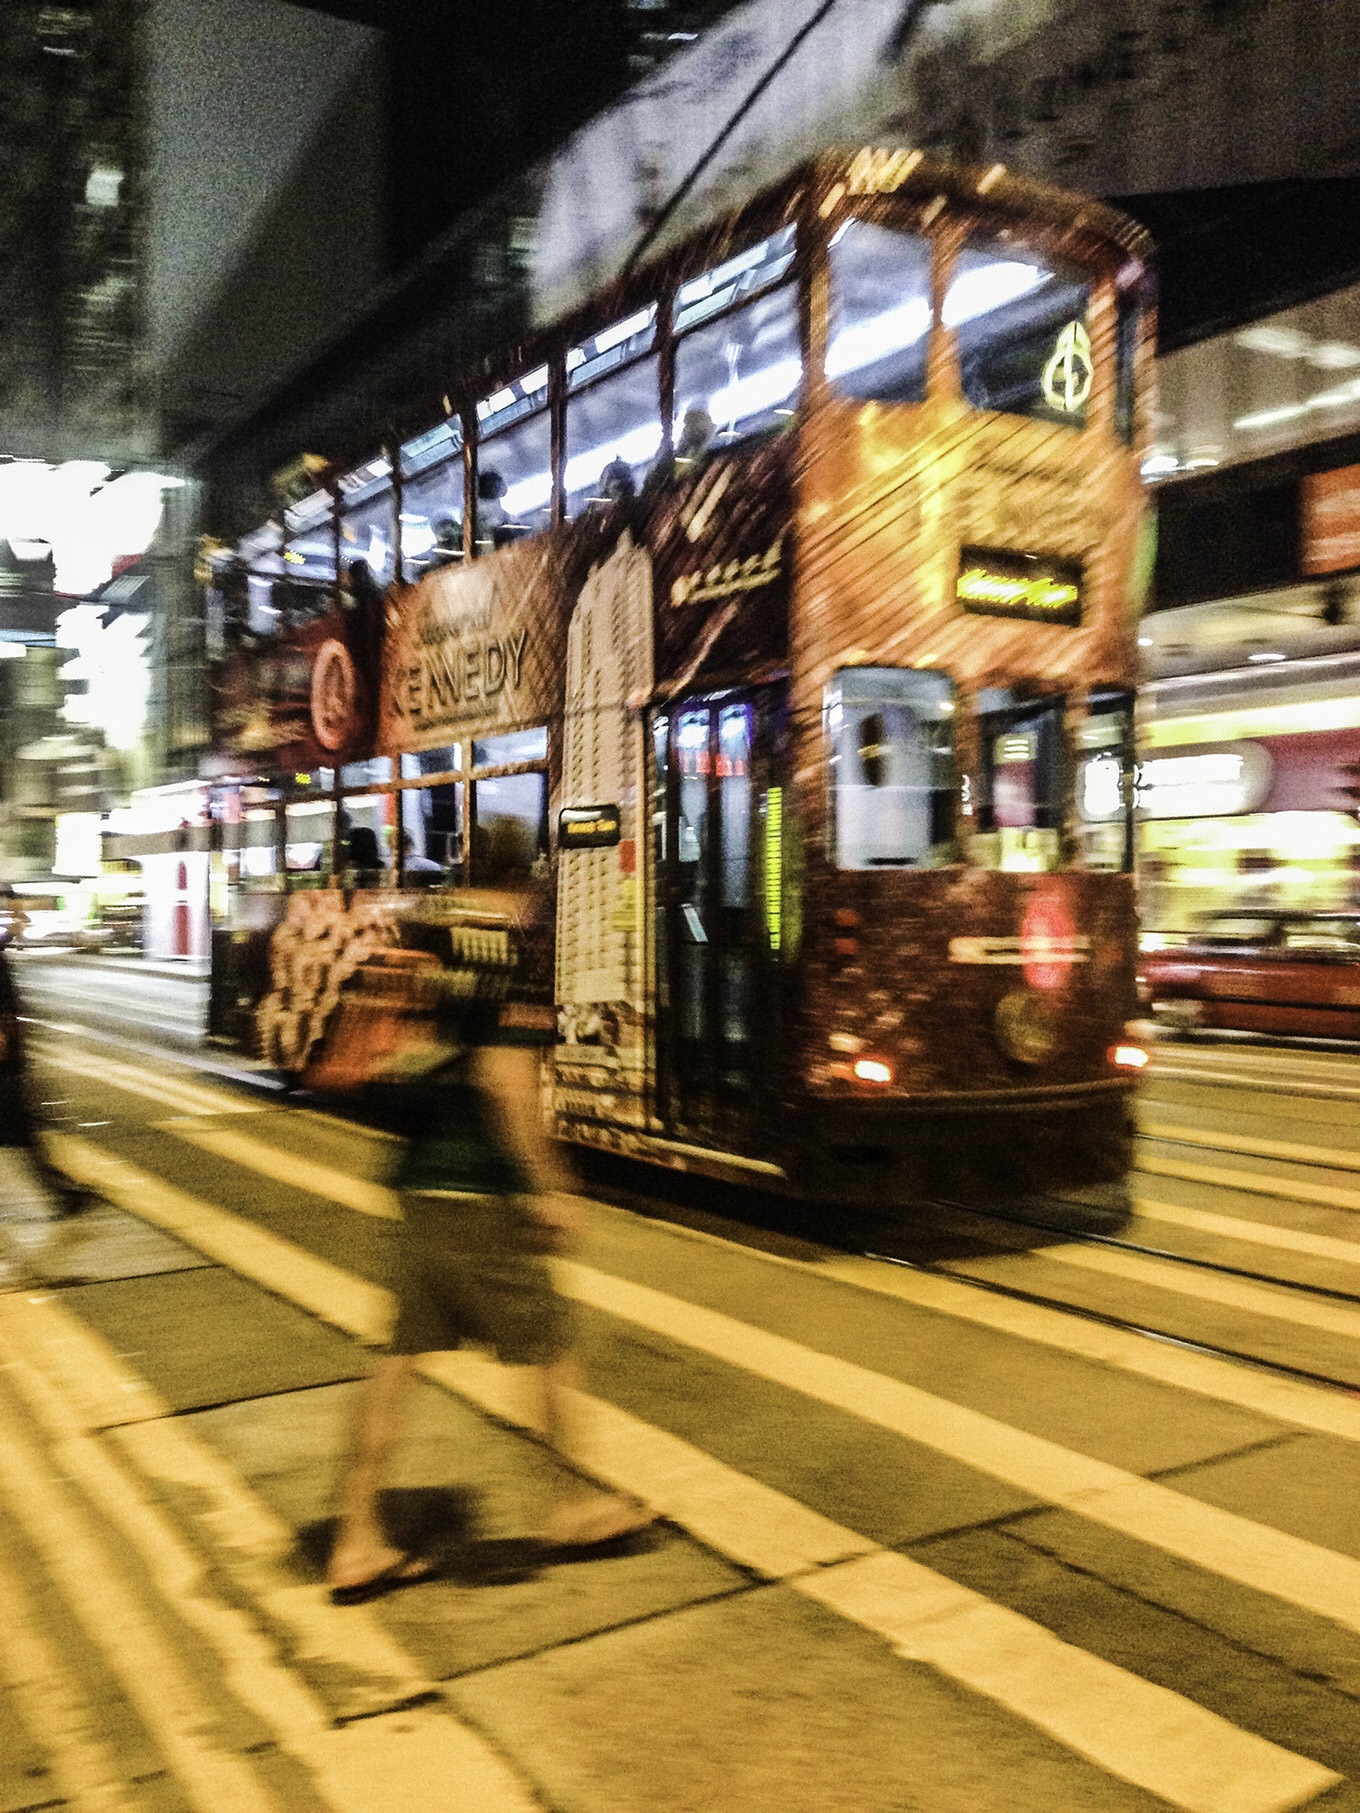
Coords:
1262,971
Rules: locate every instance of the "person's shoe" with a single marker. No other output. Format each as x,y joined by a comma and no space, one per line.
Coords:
590,1529
406,1570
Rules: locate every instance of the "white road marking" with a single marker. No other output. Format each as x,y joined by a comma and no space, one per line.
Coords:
1252,1183
285,1167
1255,1233
329,1292
1335,1158
1134,1729
420,1756
95,1385
1184,1280
1175,1748
170,1092
58,1714
157,1682
1287,1401
1254,1555
1267,1560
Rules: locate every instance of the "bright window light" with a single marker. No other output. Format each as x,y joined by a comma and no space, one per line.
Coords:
624,330
873,1070
871,340
750,396
583,469
974,293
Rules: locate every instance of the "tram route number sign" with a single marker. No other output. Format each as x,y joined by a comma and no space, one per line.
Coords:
588,828
994,583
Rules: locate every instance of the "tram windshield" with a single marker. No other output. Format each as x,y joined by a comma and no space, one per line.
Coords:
1020,317
880,313
890,738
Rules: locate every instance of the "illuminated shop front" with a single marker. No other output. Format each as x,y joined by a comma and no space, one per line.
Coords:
1250,798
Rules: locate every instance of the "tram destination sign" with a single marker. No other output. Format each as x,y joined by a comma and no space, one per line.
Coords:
993,583
588,827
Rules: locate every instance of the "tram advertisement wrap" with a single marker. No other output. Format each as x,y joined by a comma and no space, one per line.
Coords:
587,626
304,694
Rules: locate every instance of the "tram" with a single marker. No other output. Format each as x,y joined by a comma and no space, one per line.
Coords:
783,605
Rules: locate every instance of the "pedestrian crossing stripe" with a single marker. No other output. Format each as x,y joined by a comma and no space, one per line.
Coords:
1254,1555
1335,1158
1221,1543
1132,1728
1257,1299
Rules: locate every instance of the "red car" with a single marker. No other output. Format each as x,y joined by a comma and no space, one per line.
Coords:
1260,972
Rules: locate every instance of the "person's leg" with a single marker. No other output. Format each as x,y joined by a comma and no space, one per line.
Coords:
362,1549
580,1515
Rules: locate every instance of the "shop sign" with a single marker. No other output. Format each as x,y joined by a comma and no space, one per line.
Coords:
588,828
1204,781
1330,505
993,583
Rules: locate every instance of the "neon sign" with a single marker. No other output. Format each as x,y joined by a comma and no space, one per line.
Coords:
995,584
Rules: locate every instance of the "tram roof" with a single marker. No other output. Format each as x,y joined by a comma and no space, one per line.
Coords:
906,173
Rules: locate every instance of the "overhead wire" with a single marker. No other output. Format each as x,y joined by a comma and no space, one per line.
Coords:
682,190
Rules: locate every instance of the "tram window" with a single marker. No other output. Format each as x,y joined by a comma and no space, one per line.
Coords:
880,313
514,484
432,518
891,748
309,550
738,377
1019,811
310,831
432,832
366,535
431,761
1104,792
311,556
302,600
613,434
510,827
611,347
263,613
510,747
366,824
1020,321
371,773
744,274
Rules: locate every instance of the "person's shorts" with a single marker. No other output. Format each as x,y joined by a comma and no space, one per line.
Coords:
470,1272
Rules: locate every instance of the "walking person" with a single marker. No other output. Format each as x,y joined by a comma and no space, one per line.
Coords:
19,1128
485,1200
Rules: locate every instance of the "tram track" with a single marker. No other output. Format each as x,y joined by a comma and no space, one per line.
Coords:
1104,1319
1225,1303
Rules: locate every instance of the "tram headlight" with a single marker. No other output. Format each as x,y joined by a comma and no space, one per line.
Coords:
873,1070
1128,1057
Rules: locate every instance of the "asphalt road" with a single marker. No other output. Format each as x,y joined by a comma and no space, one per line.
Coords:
999,1524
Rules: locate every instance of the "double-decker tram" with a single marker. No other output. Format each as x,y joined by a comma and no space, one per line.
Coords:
782,605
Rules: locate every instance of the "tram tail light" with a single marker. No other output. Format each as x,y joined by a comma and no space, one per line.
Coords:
1128,1057
873,1070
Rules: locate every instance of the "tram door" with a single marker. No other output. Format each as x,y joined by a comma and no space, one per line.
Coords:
718,812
